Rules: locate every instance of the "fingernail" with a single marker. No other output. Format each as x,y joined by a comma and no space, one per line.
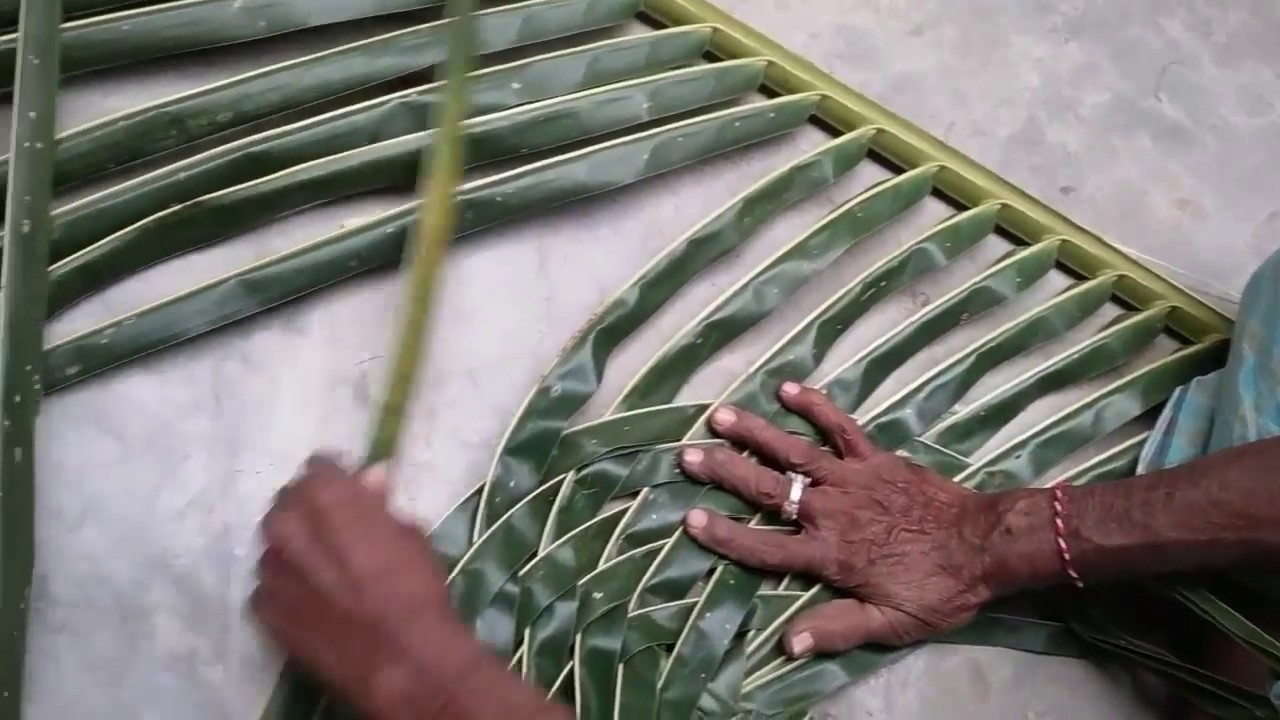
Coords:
696,519
692,456
800,644
789,389
723,417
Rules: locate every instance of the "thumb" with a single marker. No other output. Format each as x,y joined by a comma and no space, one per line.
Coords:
841,625
376,478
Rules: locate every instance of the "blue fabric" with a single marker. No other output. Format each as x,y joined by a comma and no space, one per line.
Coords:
1236,405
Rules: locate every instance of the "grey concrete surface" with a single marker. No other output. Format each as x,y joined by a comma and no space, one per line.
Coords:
1153,122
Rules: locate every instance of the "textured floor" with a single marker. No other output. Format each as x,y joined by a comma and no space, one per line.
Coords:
1154,122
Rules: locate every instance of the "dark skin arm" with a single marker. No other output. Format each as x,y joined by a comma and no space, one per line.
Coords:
355,595
1217,511
918,555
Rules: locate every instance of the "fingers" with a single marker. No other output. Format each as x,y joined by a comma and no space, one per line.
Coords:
782,449
288,533
761,549
285,605
840,430
841,625
745,478
330,523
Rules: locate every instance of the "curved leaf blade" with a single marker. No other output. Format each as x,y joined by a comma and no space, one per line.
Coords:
850,386
756,296
84,222
919,405
23,295
967,431
175,27
1024,459
378,243
167,124
800,353
391,164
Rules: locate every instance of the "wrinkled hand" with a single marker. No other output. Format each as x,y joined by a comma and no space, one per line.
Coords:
355,595
905,544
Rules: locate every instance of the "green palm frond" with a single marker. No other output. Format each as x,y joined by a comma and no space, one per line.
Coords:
23,290
568,556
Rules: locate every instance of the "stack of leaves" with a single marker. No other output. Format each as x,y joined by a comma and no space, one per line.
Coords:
568,557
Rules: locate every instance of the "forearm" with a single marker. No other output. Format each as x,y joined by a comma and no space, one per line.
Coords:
1218,511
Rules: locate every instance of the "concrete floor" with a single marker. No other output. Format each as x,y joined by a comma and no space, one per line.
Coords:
1154,122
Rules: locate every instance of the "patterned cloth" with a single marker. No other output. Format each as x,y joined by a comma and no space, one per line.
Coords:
1236,405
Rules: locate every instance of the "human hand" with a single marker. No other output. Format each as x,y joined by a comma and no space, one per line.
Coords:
355,596
905,544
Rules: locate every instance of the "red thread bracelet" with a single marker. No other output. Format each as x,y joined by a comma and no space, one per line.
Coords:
1060,535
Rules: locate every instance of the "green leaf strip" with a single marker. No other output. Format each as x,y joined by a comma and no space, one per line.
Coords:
84,222
170,123
391,164
786,684
916,407
597,645
174,27
610,459
636,676
967,431
377,244
800,353
664,624
765,289
575,376
850,385
439,175
548,603
486,570
1027,457
23,290
705,639
589,442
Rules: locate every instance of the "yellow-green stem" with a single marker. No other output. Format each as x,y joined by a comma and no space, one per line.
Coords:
437,220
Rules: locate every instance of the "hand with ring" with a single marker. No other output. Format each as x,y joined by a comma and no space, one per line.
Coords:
905,544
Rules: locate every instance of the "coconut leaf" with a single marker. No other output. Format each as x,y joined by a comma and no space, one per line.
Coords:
169,28
378,243
81,224
568,556
391,164
158,127
23,288
9,8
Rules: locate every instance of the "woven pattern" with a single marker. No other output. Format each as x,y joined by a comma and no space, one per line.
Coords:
571,550
568,557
